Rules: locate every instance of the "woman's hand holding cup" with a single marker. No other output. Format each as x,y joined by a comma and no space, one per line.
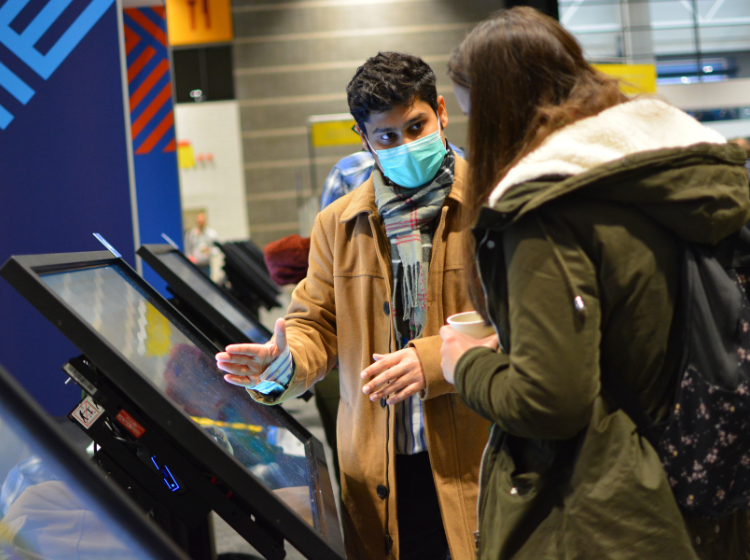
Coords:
463,332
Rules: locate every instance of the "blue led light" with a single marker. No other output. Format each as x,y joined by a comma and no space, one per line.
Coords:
169,479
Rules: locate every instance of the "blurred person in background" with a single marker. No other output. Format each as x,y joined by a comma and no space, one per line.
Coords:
348,173
199,244
580,199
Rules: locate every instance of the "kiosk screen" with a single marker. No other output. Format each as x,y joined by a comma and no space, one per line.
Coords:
179,365
51,505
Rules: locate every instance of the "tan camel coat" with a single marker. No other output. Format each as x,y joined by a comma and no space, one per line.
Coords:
341,311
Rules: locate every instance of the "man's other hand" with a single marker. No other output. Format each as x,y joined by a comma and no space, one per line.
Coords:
244,363
395,376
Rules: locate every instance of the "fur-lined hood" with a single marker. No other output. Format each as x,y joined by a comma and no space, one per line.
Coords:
626,129
645,153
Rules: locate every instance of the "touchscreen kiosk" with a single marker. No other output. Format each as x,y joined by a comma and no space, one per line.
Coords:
200,443
53,503
208,306
250,282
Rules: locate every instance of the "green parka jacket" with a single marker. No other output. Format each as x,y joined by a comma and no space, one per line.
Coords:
579,256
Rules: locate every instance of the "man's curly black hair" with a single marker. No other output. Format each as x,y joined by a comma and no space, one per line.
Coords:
389,79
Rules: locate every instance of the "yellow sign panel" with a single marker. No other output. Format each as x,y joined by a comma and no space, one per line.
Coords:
636,78
334,133
192,22
185,155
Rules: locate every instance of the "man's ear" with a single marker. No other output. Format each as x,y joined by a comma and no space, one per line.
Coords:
442,111
362,139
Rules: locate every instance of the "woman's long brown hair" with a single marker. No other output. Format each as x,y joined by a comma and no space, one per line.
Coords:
527,78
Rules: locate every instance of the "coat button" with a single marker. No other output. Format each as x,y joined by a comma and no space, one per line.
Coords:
490,244
387,308
382,492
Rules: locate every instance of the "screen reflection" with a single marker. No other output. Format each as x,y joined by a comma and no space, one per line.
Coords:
45,514
164,352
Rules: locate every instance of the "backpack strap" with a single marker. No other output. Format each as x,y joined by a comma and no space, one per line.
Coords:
733,252
620,392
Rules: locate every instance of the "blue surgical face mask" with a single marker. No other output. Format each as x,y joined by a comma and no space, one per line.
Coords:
414,164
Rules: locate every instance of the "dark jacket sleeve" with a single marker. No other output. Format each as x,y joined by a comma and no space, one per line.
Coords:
475,372
545,387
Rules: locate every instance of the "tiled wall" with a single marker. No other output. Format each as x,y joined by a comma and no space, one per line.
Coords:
294,58
217,186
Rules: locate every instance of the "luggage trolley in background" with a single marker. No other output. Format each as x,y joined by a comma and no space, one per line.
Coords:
254,252
170,426
246,279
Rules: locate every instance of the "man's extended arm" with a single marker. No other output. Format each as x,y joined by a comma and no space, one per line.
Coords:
310,334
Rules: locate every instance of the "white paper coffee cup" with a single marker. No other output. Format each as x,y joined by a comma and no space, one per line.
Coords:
471,324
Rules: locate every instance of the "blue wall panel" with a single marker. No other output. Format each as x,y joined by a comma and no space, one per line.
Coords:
63,168
158,205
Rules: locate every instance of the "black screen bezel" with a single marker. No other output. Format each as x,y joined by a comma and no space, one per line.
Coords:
150,254
23,273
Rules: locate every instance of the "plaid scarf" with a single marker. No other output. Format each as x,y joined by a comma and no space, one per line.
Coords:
407,214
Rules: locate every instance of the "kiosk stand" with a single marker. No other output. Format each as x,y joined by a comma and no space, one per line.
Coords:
145,466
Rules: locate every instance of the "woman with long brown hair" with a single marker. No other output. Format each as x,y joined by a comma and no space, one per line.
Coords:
580,200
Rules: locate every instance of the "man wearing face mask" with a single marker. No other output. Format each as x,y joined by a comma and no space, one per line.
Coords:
385,272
